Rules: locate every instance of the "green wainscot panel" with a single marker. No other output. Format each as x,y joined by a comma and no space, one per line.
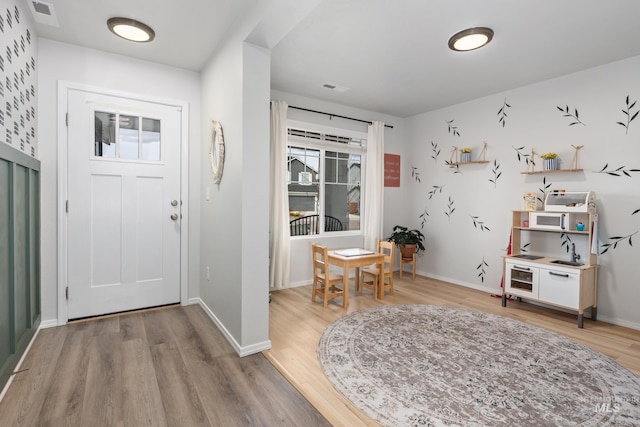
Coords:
19,256
6,318
20,261
34,246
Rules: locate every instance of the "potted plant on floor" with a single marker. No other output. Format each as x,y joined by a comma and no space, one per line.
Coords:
408,241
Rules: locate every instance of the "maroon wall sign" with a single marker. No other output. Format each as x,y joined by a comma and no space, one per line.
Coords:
391,170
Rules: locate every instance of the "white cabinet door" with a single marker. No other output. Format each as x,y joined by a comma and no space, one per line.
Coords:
560,287
521,279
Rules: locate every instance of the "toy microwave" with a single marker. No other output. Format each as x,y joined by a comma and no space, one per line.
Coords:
551,220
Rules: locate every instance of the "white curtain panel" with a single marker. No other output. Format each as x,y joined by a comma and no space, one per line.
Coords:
374,184
279,246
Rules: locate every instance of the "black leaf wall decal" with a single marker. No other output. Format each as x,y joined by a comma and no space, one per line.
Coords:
452,129
523,156
479,224
453,166
496,173
630,115
415,174
574,116
450,208
622,170
543,190
481,267
566,241
423,218
502,113
614,240
435,150
435,189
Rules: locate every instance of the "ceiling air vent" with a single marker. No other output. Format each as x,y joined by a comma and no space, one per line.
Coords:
41,8
43,13
337,88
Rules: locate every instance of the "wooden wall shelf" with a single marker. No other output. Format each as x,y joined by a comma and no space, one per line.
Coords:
467,163
551,171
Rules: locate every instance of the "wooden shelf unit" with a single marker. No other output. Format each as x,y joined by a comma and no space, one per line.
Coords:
552,171
467,163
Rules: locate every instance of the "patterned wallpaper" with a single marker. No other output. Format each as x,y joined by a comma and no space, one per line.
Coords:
17,79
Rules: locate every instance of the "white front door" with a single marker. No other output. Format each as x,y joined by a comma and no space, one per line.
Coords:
123,220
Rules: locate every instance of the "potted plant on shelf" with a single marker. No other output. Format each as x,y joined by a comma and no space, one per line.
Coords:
465,155
550,160
408,241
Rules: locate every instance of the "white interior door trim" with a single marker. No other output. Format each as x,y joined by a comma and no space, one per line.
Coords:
63,92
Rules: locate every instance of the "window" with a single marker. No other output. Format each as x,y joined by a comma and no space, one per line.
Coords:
325,176
133,138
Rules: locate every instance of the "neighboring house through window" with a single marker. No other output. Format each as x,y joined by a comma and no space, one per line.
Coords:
325,178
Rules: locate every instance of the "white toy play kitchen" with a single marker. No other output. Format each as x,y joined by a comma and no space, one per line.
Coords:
535,269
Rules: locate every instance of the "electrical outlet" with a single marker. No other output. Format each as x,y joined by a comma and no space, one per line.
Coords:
208,273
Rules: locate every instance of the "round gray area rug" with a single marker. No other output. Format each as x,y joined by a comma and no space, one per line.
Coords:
421,365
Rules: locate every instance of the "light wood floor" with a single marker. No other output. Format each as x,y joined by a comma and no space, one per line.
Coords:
296,325
164,367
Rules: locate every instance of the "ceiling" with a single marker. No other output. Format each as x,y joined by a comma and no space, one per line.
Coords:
386,56
187,31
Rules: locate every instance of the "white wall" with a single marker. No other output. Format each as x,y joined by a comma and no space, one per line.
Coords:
395,143
455,248
60,61
234,239
221,204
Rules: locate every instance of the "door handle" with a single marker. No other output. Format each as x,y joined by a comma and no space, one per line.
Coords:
174,217
553,273
174,203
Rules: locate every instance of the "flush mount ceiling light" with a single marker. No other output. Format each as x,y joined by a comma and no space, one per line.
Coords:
470,39
130,29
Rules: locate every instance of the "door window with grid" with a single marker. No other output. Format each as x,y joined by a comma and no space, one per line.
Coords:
121,136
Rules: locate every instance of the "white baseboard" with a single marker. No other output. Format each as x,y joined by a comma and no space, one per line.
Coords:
242,351
17,368
421,273
461,283
619,322
293,285
51,323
